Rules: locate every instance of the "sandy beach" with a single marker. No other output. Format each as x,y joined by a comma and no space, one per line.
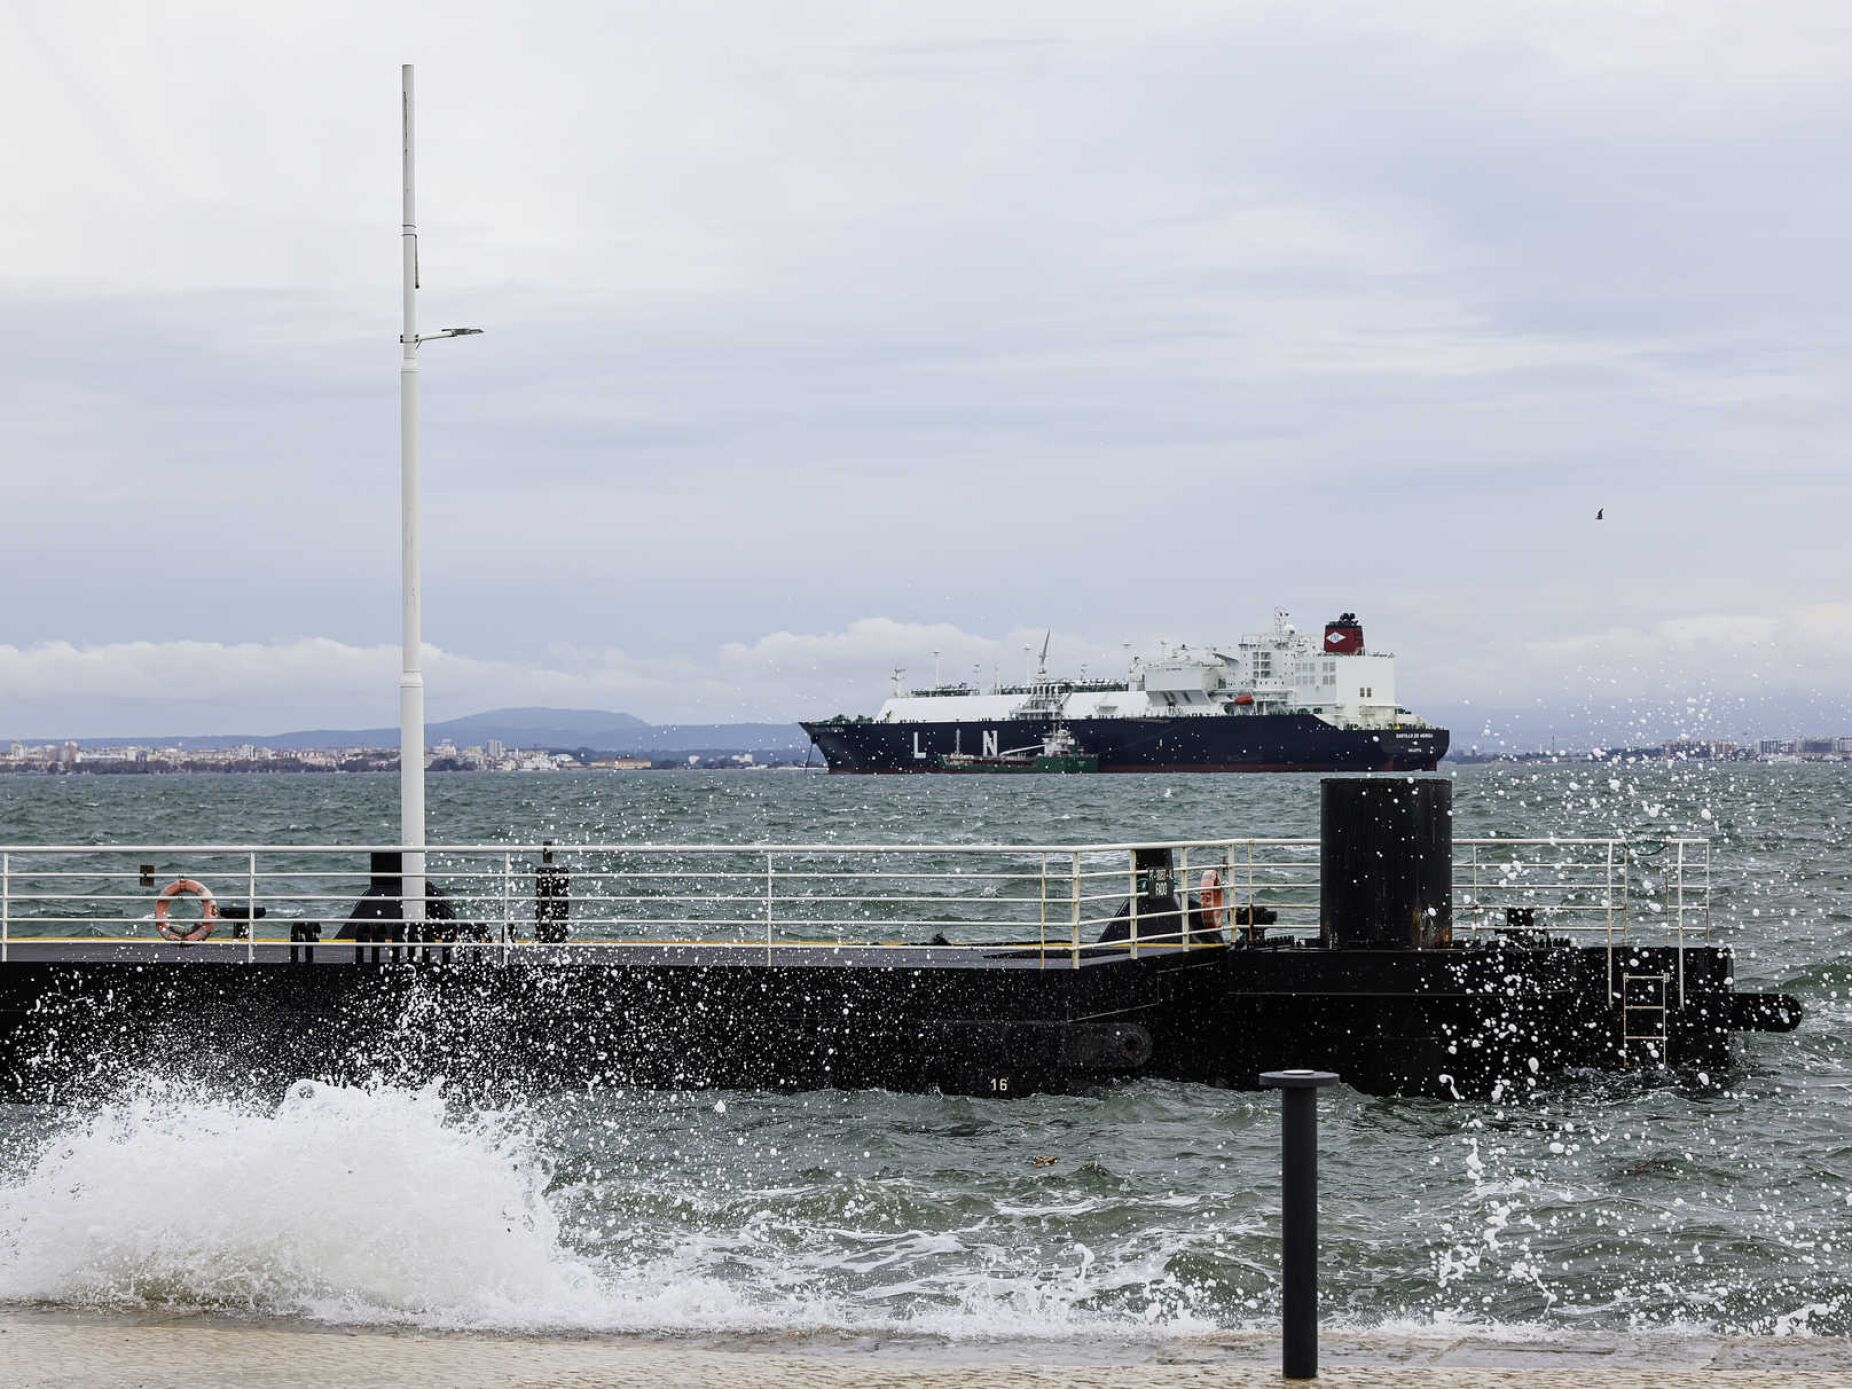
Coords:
80,1350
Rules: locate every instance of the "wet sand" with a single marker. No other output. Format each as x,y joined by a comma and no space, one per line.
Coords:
68,1349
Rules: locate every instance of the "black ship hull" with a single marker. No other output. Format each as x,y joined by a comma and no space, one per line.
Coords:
1225,743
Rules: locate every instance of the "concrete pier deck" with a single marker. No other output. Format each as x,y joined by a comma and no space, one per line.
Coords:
81,1351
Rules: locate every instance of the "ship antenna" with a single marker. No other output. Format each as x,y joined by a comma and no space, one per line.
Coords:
1042,670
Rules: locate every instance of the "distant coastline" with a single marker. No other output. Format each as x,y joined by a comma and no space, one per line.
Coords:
1677,750
66,760
69,759
500,740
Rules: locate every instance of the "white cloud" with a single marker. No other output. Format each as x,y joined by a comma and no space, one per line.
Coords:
62,689
58,689
1808,647
881,643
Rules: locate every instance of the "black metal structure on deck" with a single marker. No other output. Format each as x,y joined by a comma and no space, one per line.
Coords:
1195,981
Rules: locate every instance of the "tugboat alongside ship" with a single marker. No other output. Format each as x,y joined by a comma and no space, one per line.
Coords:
1059,753
1275,701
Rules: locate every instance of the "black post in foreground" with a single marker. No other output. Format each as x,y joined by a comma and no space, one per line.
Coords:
1299,1217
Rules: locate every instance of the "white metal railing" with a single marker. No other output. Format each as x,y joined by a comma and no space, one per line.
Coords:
1053,899
1583,886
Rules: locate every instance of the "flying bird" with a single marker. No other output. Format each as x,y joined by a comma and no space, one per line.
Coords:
1599,511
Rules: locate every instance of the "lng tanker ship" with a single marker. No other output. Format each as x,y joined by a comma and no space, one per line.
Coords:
1275,701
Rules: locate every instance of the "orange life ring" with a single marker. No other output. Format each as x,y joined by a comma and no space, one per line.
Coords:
1214,904
208,915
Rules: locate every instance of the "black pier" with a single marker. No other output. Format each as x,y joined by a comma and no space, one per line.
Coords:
1386,995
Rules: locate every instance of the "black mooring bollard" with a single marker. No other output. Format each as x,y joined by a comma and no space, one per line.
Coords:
1298,1217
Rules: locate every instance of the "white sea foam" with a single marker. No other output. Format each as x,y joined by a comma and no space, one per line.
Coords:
384,1205
339,1203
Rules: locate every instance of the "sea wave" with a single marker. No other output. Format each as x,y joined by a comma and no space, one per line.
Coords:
387,1205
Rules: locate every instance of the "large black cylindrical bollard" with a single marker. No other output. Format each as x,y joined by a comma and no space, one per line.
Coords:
1386,861
1298,1217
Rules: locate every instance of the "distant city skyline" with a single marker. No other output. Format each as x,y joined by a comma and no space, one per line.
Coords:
850,334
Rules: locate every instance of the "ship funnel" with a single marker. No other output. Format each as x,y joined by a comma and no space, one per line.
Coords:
1344,637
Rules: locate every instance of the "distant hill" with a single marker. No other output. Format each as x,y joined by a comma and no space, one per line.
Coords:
577,723
558,729
518,728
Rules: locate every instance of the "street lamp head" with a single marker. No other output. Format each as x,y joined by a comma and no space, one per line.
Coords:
446,333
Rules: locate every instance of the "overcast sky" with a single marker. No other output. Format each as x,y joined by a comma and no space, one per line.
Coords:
822,335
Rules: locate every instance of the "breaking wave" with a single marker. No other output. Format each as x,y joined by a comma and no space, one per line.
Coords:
338,1204
382,1205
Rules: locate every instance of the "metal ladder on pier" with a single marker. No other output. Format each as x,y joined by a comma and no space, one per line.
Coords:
1644,1014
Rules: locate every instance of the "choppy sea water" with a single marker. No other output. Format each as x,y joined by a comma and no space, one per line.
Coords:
1616,1205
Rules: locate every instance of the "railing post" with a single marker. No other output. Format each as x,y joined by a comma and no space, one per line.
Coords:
1707,892
1298,1217
1075,945
250,907
1253,910
770,897
507,903
6,904
1231,902
1042,953
1626,890
1608,891
1478,904
1133,899
1183,922
1681,923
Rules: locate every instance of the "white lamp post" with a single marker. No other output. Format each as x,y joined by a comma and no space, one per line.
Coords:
411,665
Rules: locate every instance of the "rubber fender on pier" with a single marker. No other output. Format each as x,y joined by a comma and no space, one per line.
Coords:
1764,1012
1386,862
1116,1048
